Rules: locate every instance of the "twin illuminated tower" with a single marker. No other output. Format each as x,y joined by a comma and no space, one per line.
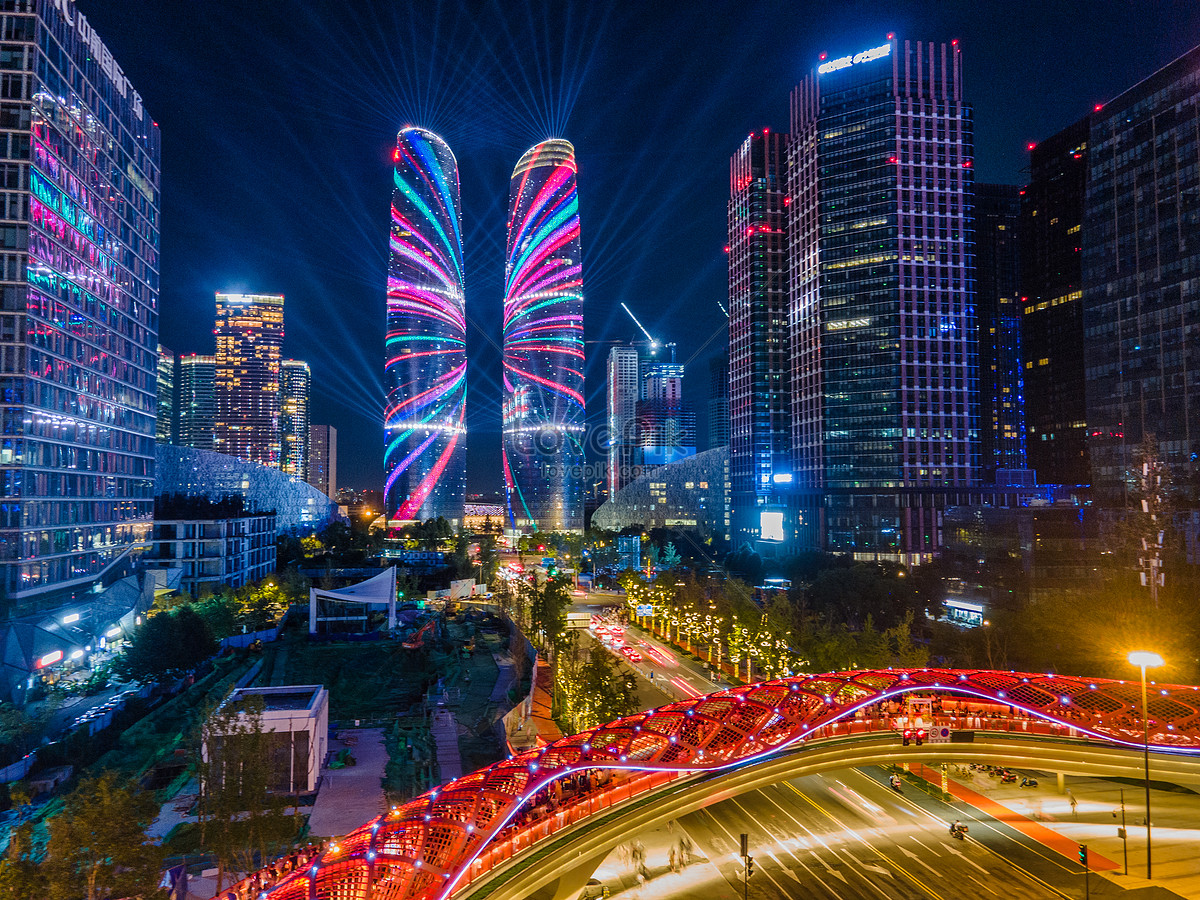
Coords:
543,339
426,368
543,343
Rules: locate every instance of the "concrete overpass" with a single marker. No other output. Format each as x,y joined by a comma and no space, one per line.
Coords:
537,825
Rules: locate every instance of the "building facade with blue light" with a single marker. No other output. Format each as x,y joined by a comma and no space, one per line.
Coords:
79,271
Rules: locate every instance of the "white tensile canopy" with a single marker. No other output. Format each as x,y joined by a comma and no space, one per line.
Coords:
331,607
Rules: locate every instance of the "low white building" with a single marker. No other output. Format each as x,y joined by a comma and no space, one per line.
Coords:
296,719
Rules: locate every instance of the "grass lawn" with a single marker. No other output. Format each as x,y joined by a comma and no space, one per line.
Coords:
365,680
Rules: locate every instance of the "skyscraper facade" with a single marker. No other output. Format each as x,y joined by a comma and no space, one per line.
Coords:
1141,288
998,306
543,405
197,401
623,391
760,444
718,402
249,332
425,369
295,385
322,458
79,297
1052,306
165,421
666,423
883,329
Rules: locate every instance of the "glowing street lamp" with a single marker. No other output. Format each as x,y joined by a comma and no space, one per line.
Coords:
1145,660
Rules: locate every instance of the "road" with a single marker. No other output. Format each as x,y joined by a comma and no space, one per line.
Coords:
845,835
666,668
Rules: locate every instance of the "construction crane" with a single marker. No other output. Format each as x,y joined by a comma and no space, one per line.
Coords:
654,345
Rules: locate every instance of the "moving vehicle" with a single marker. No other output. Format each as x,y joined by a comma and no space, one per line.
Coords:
630,654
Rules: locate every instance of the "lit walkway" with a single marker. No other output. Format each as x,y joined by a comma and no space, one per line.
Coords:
348,796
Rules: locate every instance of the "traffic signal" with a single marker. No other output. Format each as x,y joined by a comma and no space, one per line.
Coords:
1083,854
745,845
920,735
907,736
749,866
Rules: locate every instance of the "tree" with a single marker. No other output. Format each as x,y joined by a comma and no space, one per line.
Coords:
16,726
261,605
98,846
21,878
666,558
489,559
460,559
167,645
241,818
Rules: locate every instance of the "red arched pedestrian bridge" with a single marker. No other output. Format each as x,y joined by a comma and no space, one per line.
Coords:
539,823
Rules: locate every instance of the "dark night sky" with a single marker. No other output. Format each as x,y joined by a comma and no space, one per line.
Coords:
278,118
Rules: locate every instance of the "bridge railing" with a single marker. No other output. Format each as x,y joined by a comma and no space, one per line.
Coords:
516,839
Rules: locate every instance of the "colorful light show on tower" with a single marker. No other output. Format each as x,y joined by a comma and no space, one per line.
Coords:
426,368
543,343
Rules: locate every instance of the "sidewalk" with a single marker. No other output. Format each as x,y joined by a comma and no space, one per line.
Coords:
1046,816
348,797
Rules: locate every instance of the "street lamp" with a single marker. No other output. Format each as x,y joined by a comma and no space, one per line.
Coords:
1145,660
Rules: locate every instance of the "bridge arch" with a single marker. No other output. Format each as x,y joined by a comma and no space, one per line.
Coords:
438,844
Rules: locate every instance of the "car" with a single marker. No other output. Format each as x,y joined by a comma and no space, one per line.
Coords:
631,654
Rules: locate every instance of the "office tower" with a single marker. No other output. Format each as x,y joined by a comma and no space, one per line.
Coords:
884,338
1052,307
425,371
543,343
998,309
622,396
718,401
197,401
666,424
249,333
759,351
322,458
80,307
295,385
1141,256
164,423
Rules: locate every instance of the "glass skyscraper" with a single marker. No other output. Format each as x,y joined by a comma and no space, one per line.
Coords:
622,394
425,367
197,401
249,334
1052,306
295,385
1141,278
1001,398
543,343
164,431
79,244
884,339
760,358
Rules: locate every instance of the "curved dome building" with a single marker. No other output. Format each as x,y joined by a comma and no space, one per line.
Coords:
543,344
426,362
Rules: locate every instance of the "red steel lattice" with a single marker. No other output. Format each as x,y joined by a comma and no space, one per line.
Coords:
435,844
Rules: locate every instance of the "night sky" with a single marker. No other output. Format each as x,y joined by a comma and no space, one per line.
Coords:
278,118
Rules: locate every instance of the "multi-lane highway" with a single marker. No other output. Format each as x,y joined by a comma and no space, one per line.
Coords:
845,835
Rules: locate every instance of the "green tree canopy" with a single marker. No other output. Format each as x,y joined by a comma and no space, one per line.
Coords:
167,645
98,847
